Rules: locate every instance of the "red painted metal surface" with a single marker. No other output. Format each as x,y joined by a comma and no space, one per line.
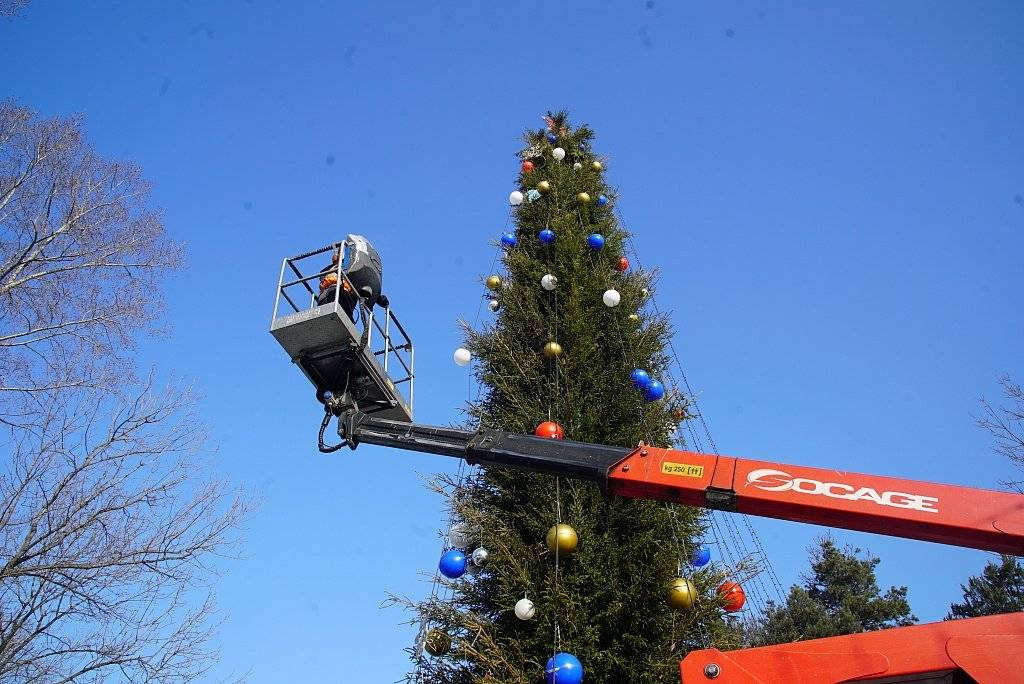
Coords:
962,516
988,650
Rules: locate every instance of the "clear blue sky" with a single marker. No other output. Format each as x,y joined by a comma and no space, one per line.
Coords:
834,193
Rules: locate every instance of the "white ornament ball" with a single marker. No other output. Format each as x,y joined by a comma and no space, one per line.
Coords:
462,356
525,610
480,556
611,298
558,153
494,305
515,198
577,166
458,535
549,282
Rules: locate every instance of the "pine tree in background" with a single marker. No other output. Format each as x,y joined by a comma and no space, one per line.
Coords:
566,355
841,596
999,589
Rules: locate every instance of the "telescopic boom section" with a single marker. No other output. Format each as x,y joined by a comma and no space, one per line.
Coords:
961,516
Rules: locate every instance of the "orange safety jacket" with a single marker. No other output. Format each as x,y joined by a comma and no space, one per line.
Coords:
331,279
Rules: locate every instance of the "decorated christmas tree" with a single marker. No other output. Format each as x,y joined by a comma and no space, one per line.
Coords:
546,576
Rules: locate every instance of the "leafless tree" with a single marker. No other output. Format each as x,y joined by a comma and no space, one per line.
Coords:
11,8
108,522
81,259
1006,424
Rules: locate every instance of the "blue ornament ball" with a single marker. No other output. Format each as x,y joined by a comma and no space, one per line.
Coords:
508,240
564,668
654,390
640,378
453,564
700,557
552,138
602,200
596,241
532,195
546,236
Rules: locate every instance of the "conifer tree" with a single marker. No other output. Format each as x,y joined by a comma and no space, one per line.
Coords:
840,596
999,589
606,602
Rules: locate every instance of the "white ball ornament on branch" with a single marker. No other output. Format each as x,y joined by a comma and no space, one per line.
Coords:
493,304
525,610
459,536
558,153
480,557
549,282
577,166
462,356
611,298
515,198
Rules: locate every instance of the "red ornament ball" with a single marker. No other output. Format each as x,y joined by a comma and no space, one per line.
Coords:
527,166
622,264
732,596
549,429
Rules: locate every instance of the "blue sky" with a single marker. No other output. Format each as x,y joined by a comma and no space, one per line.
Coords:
834,193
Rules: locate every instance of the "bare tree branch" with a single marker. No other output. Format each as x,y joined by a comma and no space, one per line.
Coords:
108,522
1006,425
82,257
11,8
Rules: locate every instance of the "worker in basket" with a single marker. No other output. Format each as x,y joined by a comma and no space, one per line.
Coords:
361,264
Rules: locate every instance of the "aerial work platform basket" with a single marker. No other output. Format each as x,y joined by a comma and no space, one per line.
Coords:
346,339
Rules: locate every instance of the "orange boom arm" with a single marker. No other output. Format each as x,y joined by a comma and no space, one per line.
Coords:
962,516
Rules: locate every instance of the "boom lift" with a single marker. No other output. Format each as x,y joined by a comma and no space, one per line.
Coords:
333,353
979,650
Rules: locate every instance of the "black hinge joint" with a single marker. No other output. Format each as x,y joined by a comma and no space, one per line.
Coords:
720,499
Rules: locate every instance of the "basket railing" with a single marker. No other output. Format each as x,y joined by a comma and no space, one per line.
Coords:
391,345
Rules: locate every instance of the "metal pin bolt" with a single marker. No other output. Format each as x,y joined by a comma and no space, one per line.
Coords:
711,670
625,467
643,452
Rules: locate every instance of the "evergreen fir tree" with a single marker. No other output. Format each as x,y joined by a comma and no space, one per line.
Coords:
606,602
840,596
999,589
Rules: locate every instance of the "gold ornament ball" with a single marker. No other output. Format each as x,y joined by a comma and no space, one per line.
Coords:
681,593
596,165
552,350
544,187
562,539
583,198
437,642
493,283
634,318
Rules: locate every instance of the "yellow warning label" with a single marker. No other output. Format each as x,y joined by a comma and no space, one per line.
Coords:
682,469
